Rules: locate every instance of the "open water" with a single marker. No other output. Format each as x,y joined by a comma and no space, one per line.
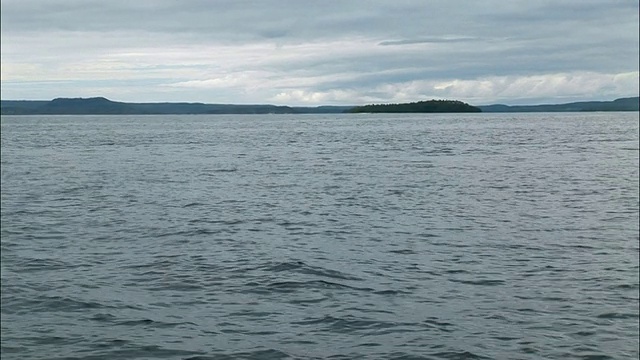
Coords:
481,236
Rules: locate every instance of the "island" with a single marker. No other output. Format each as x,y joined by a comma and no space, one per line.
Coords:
430,106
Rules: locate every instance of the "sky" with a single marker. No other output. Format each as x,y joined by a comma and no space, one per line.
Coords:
320,52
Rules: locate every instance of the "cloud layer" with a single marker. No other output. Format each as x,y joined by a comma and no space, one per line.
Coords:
329,52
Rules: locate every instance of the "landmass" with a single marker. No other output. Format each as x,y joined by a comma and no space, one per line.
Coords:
431,106
103,106
622,104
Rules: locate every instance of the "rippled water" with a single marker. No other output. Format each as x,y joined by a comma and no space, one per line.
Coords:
482,236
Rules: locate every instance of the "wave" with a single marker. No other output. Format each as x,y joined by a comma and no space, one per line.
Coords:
302,268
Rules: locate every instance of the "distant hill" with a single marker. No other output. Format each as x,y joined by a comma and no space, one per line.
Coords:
102,106
623,104
98,105
65,106
431,106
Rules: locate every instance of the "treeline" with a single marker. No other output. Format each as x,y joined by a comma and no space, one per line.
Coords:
100,105
430,106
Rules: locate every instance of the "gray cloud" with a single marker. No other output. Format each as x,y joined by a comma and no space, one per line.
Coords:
306,52
433,40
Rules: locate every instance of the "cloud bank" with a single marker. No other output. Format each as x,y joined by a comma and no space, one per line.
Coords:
329,52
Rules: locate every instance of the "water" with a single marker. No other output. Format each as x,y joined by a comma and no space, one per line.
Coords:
481,236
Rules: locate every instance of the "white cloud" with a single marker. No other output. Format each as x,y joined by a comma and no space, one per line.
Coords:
333,51
481,91
578,85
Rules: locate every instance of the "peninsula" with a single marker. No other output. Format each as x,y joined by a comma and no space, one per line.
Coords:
622,104
103,106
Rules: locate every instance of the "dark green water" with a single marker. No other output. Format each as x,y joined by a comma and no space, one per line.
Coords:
482,236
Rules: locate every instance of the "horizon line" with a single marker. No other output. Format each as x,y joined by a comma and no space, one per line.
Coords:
308,105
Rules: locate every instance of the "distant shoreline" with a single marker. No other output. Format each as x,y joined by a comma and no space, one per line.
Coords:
103,106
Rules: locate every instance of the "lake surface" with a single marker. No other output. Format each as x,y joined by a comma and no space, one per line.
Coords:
454,236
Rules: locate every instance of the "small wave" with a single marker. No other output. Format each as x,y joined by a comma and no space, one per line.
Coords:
163,264
294,286
132,351
458,355
456,271
576,246
302,268
216,222
251,314
505,338
595,357
296,225
348,324
54,304
308,301
285,266
13,349
34,264
267,354
403,252
314,284
191,204
103,317
152,323
111,343
617,315
435,323
479,282
419,164
192,232
583,333
175,286
625,286
53,340
441,151
76,189
390,292
213,172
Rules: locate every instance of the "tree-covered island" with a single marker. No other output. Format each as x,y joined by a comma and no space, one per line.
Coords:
431,106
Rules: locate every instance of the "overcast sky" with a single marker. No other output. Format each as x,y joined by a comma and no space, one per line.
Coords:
311,52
